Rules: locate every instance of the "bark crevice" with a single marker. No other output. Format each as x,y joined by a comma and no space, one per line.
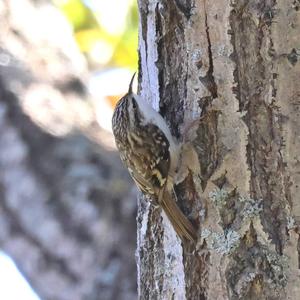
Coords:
208,80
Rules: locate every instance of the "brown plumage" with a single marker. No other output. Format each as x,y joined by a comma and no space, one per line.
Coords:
148,150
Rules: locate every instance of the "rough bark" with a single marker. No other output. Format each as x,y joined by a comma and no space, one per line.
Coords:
232,67
67,209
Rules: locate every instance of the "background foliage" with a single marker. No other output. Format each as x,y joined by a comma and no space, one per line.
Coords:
106,31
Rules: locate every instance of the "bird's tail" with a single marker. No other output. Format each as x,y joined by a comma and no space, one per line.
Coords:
180,222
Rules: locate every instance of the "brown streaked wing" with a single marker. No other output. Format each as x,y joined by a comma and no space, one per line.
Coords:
150,164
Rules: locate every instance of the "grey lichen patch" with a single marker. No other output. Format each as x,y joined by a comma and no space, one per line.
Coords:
219,197
235,210
224,243
205,233
256,270
245,280
251,208
225,200
202,213
291,223
278,266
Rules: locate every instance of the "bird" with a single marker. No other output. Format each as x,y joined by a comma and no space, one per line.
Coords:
151,154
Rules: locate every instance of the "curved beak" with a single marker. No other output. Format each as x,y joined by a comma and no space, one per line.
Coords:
130,84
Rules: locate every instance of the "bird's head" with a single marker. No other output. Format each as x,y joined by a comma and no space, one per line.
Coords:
127,109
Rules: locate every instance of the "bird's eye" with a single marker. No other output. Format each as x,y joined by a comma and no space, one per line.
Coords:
134,105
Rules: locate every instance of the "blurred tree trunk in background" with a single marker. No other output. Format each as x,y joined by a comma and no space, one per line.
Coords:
233,66
67,209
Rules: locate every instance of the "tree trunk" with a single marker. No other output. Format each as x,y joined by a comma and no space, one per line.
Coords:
232,68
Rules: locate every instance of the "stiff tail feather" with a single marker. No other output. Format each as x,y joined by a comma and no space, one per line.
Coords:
180,222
